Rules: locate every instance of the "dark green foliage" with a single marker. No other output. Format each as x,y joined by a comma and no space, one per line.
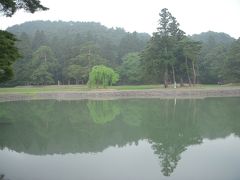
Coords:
130,69
22,66
42,76
88,55
76,72
8,54
211,64
160,57
39,39
232,64
132,42
215,47
203,58
9,7
44,66
191,51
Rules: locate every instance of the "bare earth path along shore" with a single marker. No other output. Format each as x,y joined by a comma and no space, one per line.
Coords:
119,94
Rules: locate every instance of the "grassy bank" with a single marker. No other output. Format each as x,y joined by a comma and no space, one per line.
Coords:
70,88
77,88
42,89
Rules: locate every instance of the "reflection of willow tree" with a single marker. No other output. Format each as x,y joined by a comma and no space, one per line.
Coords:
103,111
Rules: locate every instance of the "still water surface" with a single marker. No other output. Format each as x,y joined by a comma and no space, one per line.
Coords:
138,139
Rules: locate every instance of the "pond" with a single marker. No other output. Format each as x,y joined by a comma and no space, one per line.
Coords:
138,139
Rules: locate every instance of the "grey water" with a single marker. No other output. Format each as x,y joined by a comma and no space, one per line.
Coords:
137,139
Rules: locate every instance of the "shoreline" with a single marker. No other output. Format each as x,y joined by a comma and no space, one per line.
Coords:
125,94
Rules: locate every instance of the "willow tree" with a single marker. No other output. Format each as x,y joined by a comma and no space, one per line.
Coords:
102,76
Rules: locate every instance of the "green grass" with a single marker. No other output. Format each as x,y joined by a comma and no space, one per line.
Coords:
78,88
43,89
197,86
136,87
70,88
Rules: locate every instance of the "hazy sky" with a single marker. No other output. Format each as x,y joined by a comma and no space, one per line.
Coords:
194,16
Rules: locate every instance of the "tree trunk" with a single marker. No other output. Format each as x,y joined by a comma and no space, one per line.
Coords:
181,82
189,79
166,71
77,82
166,77
197,72
174,78
194,73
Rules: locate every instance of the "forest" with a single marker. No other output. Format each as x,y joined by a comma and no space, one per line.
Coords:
65,52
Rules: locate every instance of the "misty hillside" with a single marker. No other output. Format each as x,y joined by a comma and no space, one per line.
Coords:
63,29
73,47
215,48
213,37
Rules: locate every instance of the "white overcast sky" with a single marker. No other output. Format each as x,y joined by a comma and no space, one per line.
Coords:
194,16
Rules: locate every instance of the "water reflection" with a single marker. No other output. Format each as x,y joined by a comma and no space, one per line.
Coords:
103,111
2,176
169,126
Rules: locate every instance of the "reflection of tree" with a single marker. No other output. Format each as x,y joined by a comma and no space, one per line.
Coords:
219,117
169,157
103,111
169,152
131,112
2,176
173,129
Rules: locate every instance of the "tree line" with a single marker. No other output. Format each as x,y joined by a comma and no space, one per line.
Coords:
172,56
65,52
